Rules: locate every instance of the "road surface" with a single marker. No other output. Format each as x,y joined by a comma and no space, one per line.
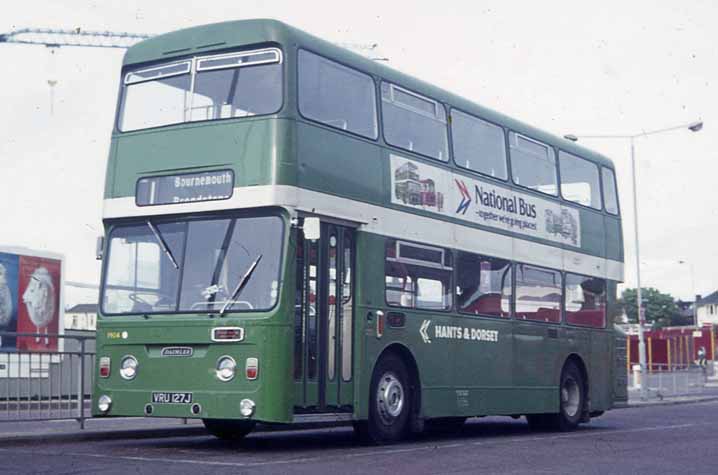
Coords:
652,440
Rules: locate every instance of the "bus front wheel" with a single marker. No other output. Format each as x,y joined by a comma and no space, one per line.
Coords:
390,403
228,429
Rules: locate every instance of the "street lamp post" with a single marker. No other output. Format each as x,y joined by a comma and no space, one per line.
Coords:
693,127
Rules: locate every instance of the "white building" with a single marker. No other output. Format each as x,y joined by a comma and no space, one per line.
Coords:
81,317
707,309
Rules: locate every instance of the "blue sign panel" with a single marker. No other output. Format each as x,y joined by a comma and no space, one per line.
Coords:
9,301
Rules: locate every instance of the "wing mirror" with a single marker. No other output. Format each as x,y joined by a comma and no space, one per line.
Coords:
99,247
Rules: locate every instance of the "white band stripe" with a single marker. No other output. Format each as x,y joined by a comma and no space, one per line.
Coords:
388,222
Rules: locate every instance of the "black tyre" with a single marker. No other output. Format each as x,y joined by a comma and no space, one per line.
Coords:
572,400
228,429
361,430
389,402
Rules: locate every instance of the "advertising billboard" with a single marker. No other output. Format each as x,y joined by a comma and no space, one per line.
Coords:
31,301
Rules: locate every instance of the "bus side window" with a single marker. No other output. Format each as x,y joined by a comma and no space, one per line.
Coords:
336,95
538,294
579,180
533,164
478,145
483,285
414,122
418,276
585,301
610,198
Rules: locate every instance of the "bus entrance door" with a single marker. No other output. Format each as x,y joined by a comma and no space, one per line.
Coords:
323,320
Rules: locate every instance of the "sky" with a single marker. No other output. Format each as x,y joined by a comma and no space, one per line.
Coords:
578,67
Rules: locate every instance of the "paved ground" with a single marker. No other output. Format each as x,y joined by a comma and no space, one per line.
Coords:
652,440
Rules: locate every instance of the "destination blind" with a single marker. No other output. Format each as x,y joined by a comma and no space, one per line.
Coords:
170,189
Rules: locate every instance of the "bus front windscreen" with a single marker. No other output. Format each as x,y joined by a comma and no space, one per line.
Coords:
241,84
193,266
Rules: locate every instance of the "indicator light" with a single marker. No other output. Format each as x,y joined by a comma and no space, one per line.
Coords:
105,367
251,368
379,323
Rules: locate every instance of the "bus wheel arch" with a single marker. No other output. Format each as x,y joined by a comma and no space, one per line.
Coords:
414,380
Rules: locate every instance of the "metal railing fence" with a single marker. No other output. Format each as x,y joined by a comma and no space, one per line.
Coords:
675,380
46,377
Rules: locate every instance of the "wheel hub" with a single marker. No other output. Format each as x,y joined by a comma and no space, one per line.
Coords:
389,398
570,397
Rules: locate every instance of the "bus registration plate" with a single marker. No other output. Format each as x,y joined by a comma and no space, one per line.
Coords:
171,398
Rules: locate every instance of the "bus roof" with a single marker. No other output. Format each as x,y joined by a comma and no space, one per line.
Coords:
230,34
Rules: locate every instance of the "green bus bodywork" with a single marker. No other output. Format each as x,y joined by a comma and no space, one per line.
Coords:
273,155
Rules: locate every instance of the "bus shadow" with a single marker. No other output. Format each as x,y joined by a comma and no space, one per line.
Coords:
340,438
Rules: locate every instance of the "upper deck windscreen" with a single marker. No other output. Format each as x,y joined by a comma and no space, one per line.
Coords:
222,86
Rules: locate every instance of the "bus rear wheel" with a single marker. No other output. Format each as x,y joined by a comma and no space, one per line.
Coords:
390,401
572,400
228,429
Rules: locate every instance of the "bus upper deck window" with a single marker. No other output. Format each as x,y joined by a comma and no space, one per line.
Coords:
610,198
414,122
239,84
336,95
579,180
533,164
478,145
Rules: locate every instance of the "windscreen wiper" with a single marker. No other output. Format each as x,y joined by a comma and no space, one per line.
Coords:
162,244
242,282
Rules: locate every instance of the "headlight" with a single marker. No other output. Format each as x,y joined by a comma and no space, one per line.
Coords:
103,403
128,367
226,367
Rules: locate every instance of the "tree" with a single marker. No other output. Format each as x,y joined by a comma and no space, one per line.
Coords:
661,309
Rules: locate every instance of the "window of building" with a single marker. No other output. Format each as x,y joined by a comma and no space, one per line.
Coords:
610,197
415,278
579,180
585,301
414,122
538,294
533,164
336,95
483,285
478,145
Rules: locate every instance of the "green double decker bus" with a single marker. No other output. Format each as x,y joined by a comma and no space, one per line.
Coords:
295,233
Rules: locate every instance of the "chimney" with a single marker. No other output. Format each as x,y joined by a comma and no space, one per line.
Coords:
698,298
